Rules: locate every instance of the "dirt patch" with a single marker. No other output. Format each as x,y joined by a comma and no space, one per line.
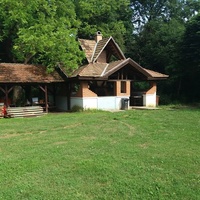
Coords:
144,145
72,125
60,143
15,135
43,131
9,136
89,138
131,128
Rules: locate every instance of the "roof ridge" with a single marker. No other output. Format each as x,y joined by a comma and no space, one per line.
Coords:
118,47
120,62
105,69
94,51
108,39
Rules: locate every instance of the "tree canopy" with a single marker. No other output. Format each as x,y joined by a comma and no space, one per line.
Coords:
40,31
190,59
159,39
110,17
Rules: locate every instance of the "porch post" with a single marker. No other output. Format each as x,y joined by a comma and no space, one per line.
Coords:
54,94
6,94
46,98
68,96
2,89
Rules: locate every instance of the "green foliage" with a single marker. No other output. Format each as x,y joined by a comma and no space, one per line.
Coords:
156,46
145,11
101,155
141,86
77,108
41,32
191,42
160,26
112,18
190,62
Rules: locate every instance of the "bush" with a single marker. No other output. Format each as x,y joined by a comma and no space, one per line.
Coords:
77,108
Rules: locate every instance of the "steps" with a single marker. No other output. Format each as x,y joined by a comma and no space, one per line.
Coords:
29,111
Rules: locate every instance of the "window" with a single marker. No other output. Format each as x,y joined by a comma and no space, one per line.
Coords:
123,86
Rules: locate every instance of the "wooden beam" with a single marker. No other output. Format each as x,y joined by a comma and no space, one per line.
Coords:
8,90
69,96
46,98
6,94
45,90
2,90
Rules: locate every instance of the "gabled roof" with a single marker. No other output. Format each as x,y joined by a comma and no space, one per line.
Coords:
105,70
22,73
94,49
97,70
88,47
110,44
115,66
92,69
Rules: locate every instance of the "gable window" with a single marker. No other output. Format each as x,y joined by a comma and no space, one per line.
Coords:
123,86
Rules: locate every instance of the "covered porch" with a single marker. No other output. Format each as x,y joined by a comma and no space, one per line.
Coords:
28,85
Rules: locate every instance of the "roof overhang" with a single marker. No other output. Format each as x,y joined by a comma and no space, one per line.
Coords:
87,78
17,73
108,70
149,74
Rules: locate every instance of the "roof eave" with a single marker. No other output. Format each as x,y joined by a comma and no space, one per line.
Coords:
87,78
157,78
31,82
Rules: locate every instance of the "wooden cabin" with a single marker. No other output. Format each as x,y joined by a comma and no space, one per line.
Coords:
108,78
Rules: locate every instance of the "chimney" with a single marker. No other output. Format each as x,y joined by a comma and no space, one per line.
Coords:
98,36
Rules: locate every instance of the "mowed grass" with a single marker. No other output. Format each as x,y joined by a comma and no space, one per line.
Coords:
135,154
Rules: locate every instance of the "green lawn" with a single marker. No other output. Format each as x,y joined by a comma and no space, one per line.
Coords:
136,154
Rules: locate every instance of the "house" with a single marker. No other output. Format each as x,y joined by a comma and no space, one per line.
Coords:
107,79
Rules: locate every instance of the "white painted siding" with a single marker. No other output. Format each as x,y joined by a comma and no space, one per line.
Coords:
149,100
101,103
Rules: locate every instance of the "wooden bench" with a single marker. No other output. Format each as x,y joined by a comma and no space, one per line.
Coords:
28,111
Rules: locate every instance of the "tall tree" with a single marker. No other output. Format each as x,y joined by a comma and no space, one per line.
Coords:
40,31
110,17
160,26
190,60
156,45
146,10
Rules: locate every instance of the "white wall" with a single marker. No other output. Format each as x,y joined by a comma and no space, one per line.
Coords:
149,100
85,103
106,103
101,103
